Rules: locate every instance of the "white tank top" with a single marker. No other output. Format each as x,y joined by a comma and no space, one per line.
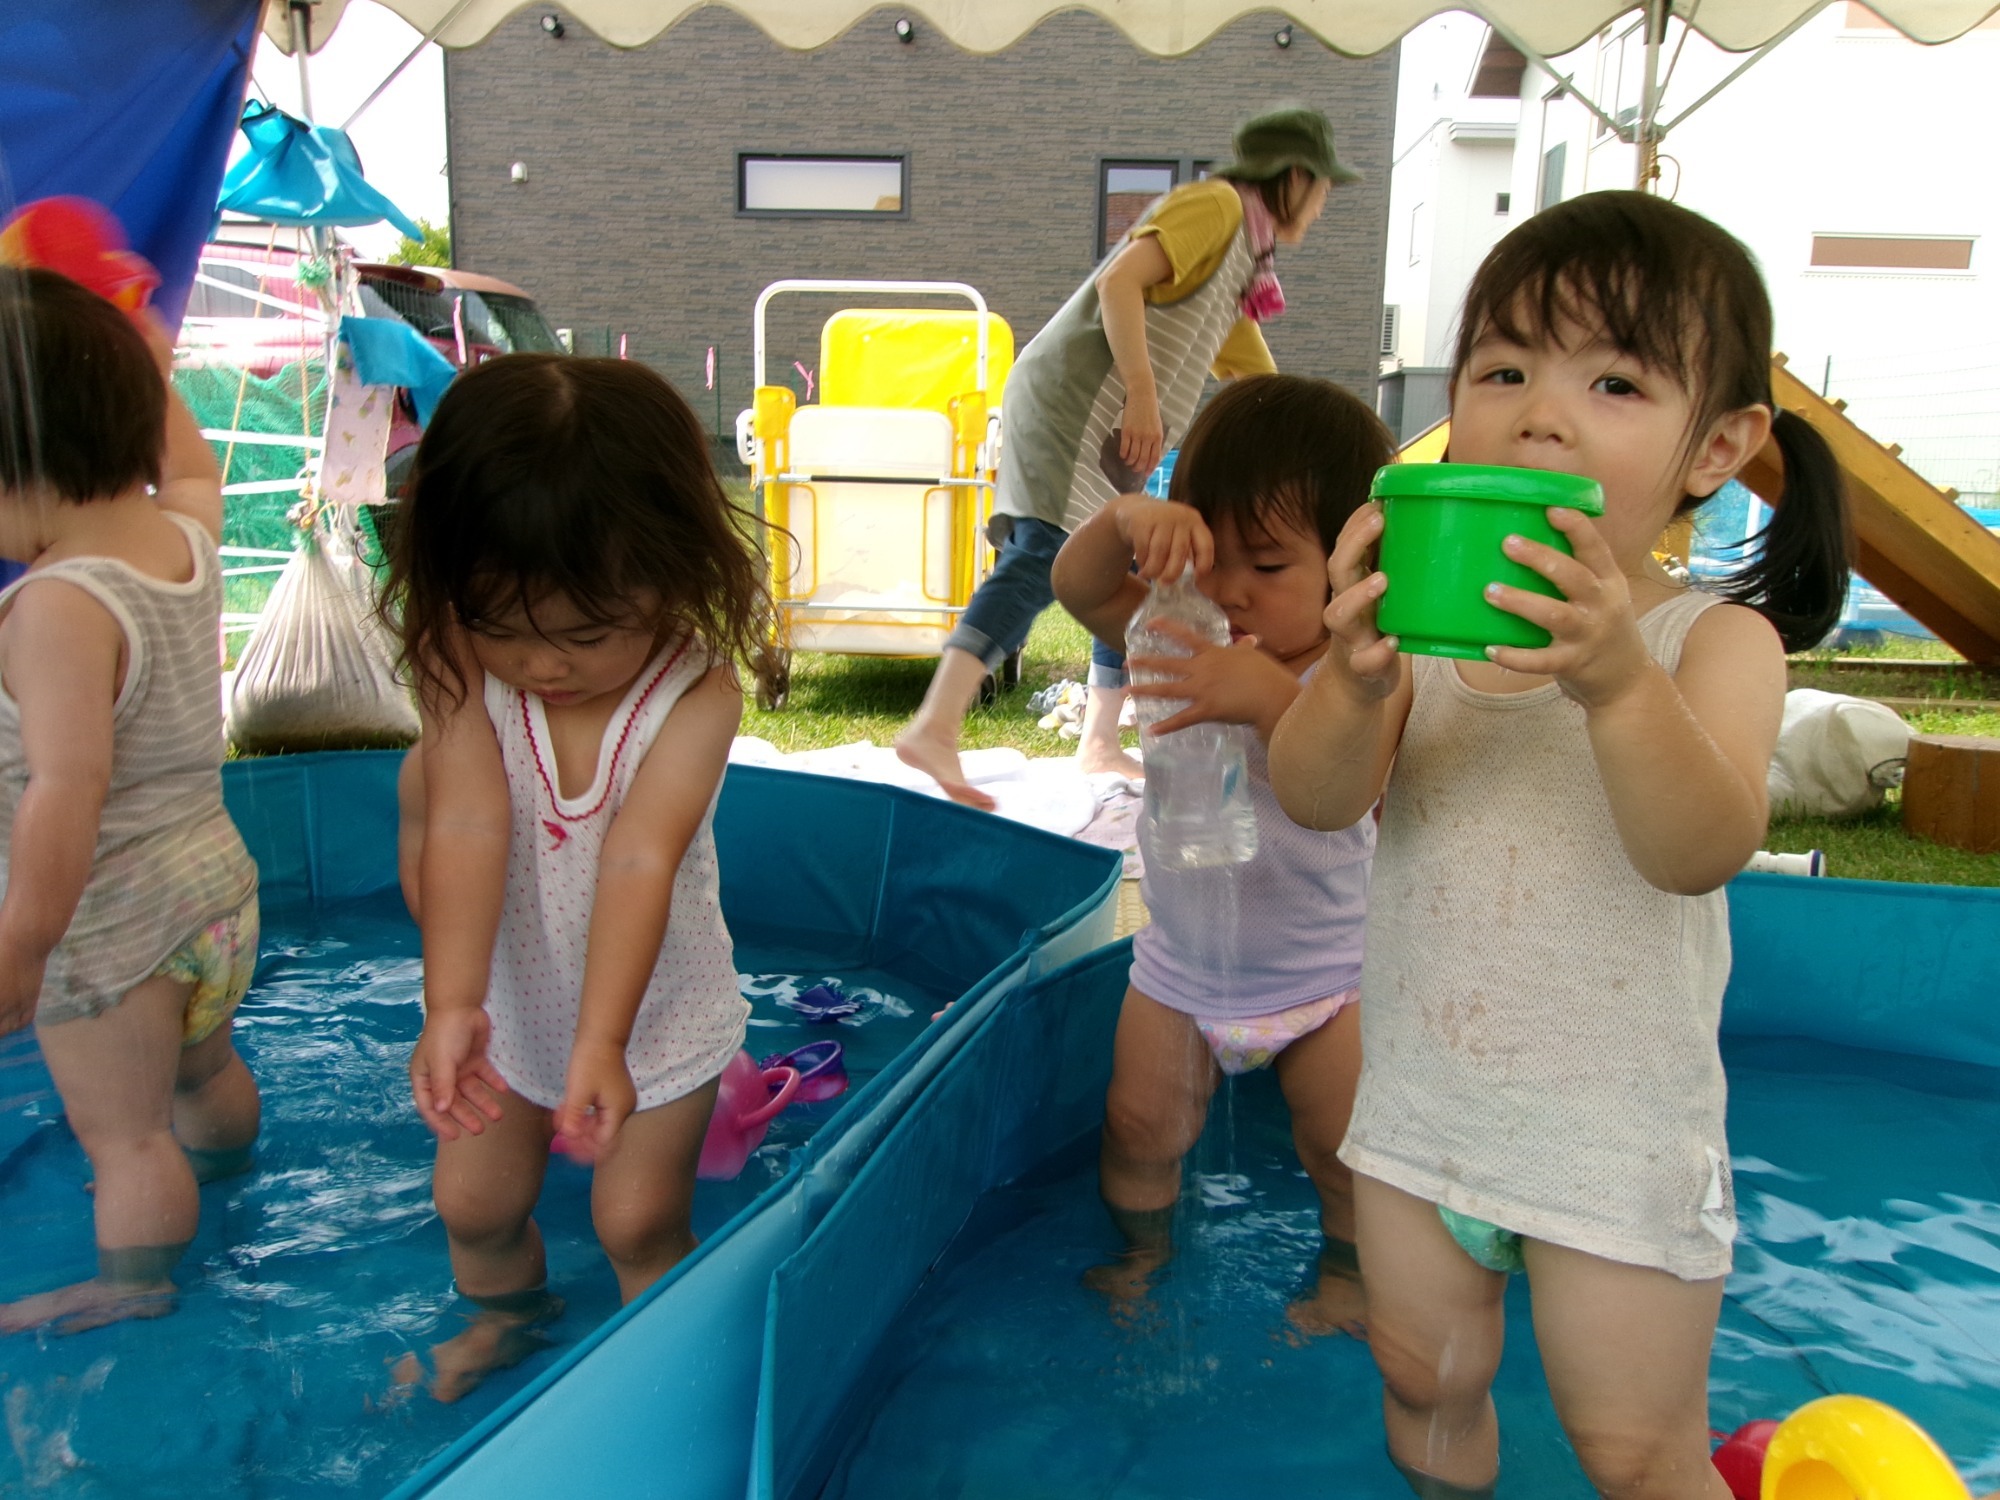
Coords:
1538,1023
1299,908
691,1020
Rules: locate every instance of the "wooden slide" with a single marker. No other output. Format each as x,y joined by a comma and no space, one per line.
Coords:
1911,539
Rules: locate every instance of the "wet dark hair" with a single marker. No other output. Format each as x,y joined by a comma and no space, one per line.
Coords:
83,409
541,474
1270,450
1665,286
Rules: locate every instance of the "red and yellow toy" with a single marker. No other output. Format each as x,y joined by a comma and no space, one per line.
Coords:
83,241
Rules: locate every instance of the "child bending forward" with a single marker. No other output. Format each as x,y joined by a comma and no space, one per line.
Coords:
571,586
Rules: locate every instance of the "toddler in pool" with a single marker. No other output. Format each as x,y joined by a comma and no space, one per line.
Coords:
128,928
1270,472
572,589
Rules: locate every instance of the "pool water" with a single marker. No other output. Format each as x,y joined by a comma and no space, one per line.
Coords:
314,1272
1869,1261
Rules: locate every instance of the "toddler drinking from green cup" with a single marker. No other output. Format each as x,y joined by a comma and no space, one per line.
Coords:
1547,935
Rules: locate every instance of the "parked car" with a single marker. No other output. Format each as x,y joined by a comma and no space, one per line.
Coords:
249,311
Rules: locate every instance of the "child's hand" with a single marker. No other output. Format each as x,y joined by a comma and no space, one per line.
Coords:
598,1097
1597,652
1233,684
1165,536
1360,652
456,1087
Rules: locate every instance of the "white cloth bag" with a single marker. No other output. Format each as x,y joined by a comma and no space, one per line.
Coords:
1836,755
319,672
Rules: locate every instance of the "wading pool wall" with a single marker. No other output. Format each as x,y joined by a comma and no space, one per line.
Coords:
834,874
1892,968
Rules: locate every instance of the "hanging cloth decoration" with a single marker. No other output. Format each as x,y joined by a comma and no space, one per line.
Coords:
388,351
295,173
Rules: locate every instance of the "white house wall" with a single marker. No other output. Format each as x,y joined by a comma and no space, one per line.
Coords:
1840,131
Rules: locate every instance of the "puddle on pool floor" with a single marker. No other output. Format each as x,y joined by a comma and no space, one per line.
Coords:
1869,1187
313,1273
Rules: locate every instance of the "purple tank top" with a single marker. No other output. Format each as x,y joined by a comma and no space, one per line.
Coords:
1300,909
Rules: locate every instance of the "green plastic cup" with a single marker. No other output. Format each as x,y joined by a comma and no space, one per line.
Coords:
1442,526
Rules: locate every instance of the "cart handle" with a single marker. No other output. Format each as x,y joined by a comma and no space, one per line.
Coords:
893,288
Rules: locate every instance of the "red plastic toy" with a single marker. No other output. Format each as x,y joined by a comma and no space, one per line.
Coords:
83,241
1740,1458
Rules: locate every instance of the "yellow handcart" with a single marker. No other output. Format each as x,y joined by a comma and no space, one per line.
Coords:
884,484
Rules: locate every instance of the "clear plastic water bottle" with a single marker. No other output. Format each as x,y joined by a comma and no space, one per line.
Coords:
1198,812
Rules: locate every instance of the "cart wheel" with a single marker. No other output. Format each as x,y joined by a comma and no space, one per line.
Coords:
1010,671
774,682
989,691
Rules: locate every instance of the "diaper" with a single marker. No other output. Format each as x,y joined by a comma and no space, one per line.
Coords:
1491,1246
1242,1044
219,961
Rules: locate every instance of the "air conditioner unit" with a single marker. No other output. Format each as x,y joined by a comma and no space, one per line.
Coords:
1391,317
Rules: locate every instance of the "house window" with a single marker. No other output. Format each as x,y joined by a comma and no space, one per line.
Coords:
1893,253
1420,233
845,185
1552,175
1126,189
1503,204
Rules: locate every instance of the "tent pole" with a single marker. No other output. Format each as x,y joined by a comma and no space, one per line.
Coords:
397,72
1646,136
1740,69
1564,81
301,46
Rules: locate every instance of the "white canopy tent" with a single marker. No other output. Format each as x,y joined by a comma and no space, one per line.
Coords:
1538,29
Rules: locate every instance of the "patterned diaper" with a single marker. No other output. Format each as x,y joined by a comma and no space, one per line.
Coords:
219,962
1491,1246
1246,1043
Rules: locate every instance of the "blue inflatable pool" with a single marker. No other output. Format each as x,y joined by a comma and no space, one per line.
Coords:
316,1267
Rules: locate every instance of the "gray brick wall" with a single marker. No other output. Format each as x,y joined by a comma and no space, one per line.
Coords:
627,219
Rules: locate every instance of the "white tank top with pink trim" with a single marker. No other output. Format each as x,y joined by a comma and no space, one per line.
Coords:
691,1020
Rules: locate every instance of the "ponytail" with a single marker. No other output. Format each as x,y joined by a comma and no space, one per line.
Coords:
1797,578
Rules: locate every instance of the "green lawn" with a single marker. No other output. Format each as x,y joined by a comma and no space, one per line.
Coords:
837,700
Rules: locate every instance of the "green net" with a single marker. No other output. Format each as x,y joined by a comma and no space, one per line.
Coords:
291,403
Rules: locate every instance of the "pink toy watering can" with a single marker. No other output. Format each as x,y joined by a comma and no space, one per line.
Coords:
747,1099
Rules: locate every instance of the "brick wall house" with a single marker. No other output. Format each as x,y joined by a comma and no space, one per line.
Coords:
627,216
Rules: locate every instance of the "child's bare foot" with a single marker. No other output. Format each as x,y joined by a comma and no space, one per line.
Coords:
495,1340
1338,1302
88,1304
1113,760
938,759
1125,1281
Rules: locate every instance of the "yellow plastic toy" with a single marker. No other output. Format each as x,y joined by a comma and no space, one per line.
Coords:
1852,1448
885,484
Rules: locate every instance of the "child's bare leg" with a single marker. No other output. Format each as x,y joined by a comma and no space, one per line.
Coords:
1626,1351
930,743
1098,747
1435,1326
485,1187
1319,1073
115,1073
642,1199
410,825
1162,1077
216,1110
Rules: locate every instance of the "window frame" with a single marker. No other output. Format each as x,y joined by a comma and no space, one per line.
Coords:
1185,169
745,157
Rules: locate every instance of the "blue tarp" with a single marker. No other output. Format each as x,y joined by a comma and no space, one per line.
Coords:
295,173
130,103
